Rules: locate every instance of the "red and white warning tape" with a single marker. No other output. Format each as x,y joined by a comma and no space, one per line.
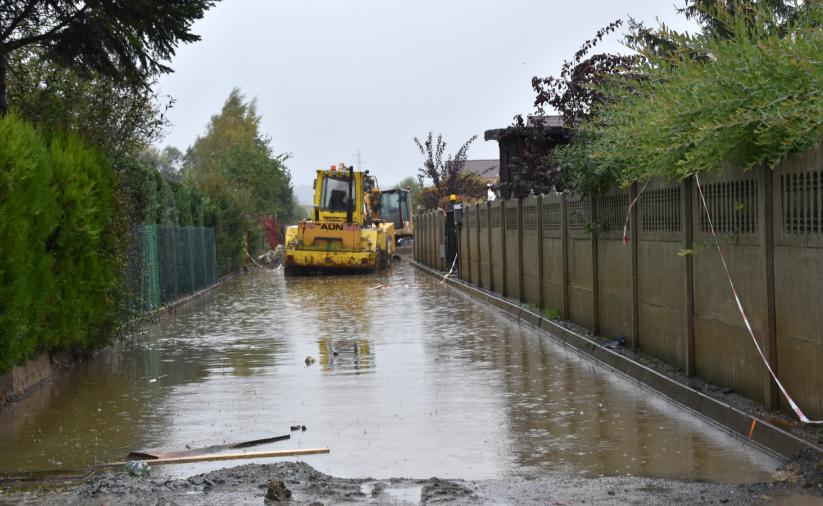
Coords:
450,271
794,406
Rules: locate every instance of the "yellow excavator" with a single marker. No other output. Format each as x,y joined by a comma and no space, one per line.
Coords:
397,209
346,231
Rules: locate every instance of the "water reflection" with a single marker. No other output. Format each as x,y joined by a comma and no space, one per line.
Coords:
345,354
459,391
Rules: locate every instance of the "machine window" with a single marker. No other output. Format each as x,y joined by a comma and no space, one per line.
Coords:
335,194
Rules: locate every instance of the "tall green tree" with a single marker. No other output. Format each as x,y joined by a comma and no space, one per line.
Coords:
756,101
128,41
234,158
233,165
117,119
168,161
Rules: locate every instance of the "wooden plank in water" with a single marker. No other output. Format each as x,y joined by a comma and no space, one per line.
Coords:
226,456
166,454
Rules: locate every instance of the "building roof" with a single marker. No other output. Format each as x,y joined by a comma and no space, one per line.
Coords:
552,125
485,168
488,169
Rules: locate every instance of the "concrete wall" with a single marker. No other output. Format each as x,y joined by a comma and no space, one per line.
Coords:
484,245
429,243
554,243
532,251
511,230
473,215
497,245
797,194
665,289
661,283
724,352
614,266
579,259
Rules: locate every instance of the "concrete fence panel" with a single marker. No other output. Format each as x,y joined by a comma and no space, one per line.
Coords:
463,249
661,283
484,245
724,353
614,265
579,255
432,239
473,219
666,291
531,251
553,253
496,247
797,192
441,241
511,230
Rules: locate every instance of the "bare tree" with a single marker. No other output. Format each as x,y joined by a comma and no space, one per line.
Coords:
446,175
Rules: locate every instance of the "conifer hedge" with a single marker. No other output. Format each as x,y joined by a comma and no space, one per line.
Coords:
59,268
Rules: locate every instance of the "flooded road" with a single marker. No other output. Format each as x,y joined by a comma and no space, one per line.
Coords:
411,380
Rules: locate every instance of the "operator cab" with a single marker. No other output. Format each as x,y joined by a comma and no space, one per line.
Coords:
334,195
396,208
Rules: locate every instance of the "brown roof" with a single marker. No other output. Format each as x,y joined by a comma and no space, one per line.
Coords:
554,126
488,169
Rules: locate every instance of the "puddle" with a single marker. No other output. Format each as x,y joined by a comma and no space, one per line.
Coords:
413,381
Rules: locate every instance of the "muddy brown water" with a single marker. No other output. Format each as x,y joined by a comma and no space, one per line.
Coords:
425,382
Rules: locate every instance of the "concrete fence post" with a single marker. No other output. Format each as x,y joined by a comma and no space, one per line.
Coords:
427,239
520,292
467,227
540,296
595,292
441,247
479,250
416,237
432,240
424,238
564,246
634,230
503,238
687,211
491,246
772,396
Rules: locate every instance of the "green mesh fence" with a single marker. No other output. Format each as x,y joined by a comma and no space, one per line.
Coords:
174,262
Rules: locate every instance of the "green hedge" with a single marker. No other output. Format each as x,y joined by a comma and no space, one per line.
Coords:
59,271
67,258
155,200
755,101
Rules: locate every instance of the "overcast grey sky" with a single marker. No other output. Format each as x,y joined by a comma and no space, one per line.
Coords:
334,77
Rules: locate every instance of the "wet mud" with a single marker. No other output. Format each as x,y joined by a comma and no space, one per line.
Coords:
300,484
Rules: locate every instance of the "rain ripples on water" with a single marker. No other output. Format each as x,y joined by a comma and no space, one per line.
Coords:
412,379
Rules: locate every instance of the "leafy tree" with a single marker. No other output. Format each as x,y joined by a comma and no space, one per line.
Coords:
233,156
754,102
118,120
713,15
168,162
576,92
126,41
717,20
233,165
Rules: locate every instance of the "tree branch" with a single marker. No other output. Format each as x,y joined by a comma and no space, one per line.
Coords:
43,37
16,22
